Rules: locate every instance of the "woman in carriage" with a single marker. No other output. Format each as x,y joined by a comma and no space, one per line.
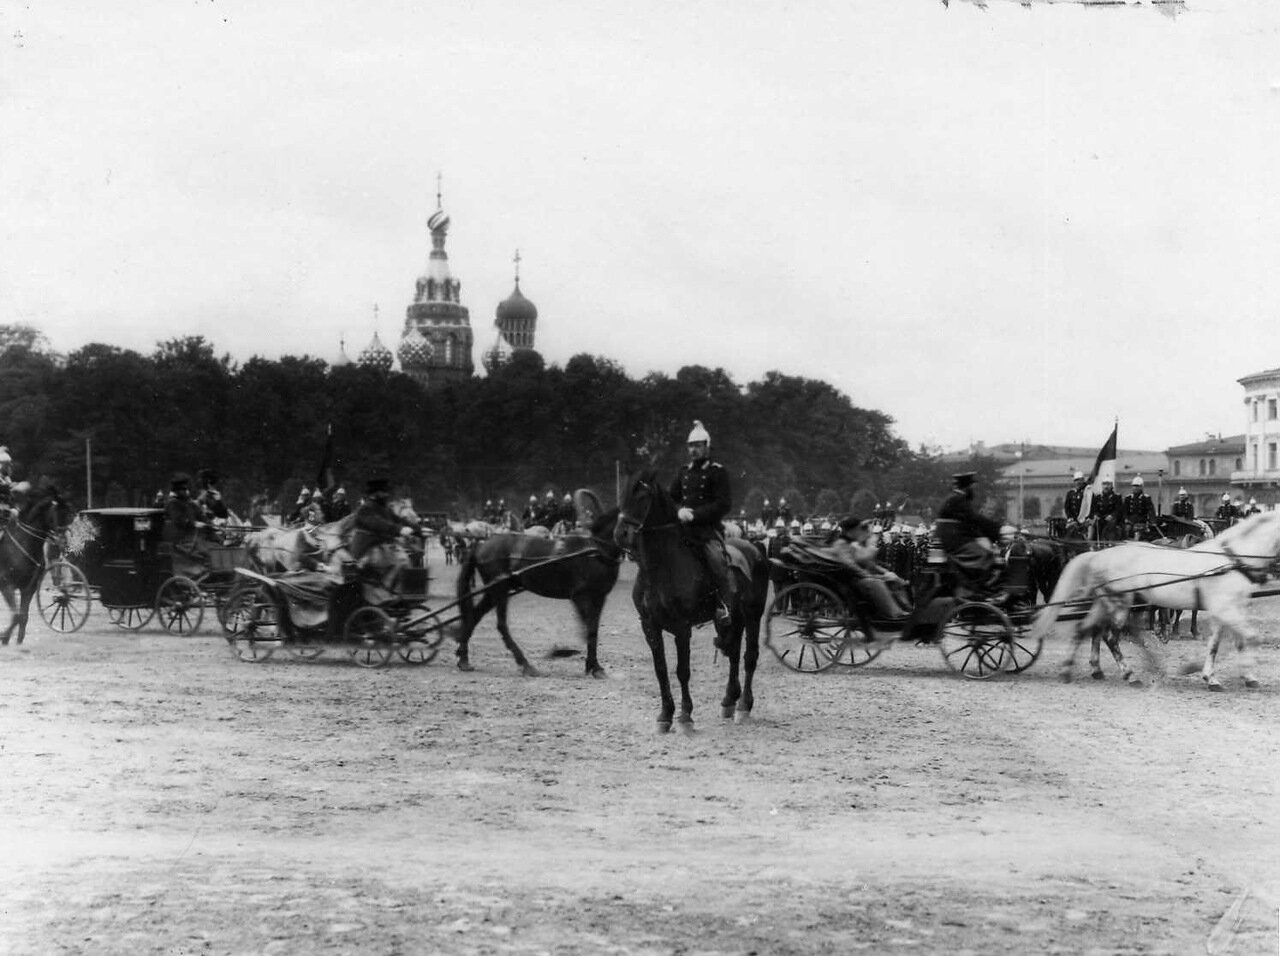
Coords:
854,548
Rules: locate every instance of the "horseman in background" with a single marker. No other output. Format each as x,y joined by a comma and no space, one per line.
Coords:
701,489
1074,500
377,534
338,506
298,512
8,488
784,511
768,514
974,554
530,516
1183,508
1139,512
1107,514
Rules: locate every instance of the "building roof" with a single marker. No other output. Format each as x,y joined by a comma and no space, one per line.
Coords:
1127,463
1213,445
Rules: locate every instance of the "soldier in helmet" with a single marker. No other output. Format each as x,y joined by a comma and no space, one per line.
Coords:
1074,499
768,514
701,490
298,514
568,511
530,516
1183,508
338,506
1107,513
1227,511
784,511
1253,508
1139,511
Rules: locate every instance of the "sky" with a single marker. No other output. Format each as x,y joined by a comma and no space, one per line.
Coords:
1017,223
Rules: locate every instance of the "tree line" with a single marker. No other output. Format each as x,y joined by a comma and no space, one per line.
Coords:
521,429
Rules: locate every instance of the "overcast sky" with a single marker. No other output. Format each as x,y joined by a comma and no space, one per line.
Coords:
991,225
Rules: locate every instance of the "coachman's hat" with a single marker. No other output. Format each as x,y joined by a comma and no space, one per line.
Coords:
377,486
208,476
964,479
179,481
848,524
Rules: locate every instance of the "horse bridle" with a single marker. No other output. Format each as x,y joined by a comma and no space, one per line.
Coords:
43,536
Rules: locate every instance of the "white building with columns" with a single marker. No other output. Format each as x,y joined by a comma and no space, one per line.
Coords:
1259,474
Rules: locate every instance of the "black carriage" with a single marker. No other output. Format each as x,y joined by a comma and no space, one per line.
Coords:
818,618
305,613
136,575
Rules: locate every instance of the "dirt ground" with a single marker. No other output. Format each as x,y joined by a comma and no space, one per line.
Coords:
161,797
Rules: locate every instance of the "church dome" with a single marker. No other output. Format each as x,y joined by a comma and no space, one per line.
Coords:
439,221
343,359
377,354
516,309
414,349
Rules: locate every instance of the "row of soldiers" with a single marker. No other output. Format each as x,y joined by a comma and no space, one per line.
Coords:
1135,513
546,512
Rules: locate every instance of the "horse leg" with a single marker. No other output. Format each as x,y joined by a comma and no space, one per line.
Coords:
24,606
589,610
1211,658
1095,650
7,593
470,618
1113,645
733,689
500,604
1246,640
1195,624
658,650
683,670
750,655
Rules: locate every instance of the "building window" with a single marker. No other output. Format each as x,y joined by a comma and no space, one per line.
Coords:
1237,464
1271,456
1271,409
1255,409
1201,467
1213,466
1177,467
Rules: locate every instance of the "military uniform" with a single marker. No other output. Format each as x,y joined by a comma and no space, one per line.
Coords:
1139,512
1108,511
768,515
1183,508
1072,503
703,487
1227,512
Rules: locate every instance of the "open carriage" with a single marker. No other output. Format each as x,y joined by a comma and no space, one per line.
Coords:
136,575
818,619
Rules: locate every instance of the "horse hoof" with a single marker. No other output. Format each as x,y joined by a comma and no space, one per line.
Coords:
1214,684
726,712
1136,682
1251,682
598,673
528,670
686,727
465,666
1098,675
664,726
742,716
1065,677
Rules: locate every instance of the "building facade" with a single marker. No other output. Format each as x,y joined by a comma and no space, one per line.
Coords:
1257,474
435,347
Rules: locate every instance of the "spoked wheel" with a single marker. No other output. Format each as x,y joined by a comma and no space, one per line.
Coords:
180,605
252,623
1022,649
974,639
426,632
372,634
63,598
131,618
807,627
303,650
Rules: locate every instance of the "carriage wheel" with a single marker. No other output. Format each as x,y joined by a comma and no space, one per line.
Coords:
63,598
132,617
807,627
1021,650
180,605
252,623
223,602
418,652
372,633
973,639
303,650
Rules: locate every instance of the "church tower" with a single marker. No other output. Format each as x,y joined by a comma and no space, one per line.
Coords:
516,317
435,347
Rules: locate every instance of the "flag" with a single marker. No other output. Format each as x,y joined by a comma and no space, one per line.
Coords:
1104,469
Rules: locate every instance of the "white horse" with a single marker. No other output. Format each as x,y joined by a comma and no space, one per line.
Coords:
1216,576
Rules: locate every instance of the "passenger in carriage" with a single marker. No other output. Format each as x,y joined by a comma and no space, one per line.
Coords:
1227,511
183,524
1183,508
856,550
338,506
974,553
8,487
1074,499
299,507
1107,513
378,533
210,500
1139,512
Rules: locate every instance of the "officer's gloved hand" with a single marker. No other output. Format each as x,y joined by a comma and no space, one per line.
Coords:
685,514
406,532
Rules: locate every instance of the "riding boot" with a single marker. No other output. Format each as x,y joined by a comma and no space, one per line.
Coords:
722,578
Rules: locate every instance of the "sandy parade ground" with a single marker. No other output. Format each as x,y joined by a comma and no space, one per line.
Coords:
162,797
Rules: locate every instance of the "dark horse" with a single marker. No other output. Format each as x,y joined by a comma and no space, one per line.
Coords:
581,567
22,558
673,592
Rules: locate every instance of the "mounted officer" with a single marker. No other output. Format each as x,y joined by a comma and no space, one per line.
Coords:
1107,513
1183,508
701,489
1074,499
338,506
1139,510
300,506
8,487
974,552
1227,511
377,532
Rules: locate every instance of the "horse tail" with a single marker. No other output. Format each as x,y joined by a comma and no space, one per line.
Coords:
466,578
1070,583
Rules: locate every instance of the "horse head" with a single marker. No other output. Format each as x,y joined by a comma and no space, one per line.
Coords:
1254,538
48,512
644,505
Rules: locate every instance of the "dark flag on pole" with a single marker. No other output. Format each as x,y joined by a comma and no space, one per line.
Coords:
324,476
1104,469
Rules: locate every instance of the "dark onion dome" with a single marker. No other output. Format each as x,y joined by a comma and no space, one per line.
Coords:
439,221
414,349
516,308
377,354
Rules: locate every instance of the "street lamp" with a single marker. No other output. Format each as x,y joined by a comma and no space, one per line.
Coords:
1160,492
1018,454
